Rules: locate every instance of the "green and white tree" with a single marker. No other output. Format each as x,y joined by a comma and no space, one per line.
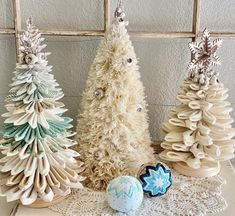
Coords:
112,132
199,131
38,162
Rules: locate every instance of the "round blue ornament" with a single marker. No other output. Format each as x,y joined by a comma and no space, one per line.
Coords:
156,180
124,194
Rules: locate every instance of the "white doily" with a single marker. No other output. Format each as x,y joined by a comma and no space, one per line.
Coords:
187,196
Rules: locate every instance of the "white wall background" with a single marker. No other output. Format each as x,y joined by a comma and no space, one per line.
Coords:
162,62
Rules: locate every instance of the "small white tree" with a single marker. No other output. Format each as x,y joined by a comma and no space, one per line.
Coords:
37,162
199,131
113,136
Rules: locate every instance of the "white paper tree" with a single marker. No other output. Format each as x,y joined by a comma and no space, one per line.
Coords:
199,131
37,162
113,136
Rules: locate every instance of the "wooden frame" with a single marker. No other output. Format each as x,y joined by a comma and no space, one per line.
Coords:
62,32
194,34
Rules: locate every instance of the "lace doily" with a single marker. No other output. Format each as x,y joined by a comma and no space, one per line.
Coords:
187,196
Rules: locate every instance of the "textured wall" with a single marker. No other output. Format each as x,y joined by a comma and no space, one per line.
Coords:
162,62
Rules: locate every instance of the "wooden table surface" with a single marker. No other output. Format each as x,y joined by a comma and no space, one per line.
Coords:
228,172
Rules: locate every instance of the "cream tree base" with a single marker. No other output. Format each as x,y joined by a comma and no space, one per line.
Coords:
206,170
39,203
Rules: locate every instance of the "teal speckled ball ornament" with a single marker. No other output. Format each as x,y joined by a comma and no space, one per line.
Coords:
124,194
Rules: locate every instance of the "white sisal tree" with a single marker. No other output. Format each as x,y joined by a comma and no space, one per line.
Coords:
112,132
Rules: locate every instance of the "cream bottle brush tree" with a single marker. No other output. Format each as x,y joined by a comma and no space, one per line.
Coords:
37,162
199,132
112,132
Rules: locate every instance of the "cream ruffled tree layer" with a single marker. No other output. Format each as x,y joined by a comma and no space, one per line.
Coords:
199,131
37,162
112,132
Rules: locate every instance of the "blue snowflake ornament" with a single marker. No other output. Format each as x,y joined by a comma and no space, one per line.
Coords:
156,180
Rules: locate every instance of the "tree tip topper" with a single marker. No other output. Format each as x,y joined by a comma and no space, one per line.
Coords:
204,56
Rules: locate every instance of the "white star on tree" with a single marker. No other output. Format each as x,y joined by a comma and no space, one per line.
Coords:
204,56
205,51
